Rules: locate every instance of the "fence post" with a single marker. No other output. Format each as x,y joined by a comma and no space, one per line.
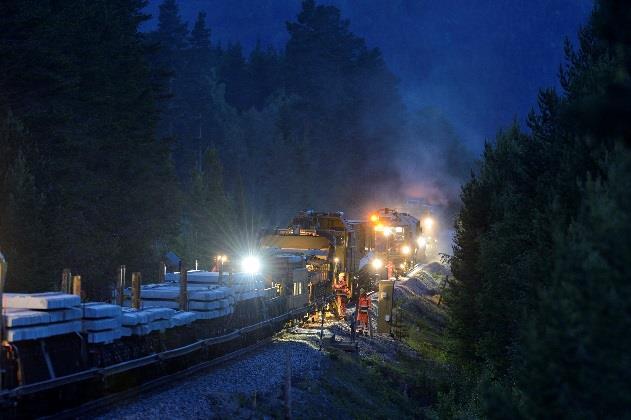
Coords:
183,288
66,281
135,290
76,286
162,273
220,268
120,285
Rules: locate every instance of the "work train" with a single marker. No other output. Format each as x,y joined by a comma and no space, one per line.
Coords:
291,277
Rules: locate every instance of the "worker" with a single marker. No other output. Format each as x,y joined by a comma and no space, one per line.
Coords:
341,295
362,312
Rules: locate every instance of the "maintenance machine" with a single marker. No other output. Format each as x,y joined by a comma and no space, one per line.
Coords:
394,239
328,246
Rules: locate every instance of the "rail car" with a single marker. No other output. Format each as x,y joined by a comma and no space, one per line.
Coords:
46,375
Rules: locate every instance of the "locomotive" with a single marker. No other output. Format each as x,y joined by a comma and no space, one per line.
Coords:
396,241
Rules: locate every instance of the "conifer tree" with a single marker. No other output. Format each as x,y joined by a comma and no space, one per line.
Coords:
200,34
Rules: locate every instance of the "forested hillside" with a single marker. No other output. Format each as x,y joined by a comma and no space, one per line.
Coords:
84,180
293,129
118,145
540,310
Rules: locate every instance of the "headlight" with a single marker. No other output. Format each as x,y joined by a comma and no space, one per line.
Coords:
377,263
251,264
405,250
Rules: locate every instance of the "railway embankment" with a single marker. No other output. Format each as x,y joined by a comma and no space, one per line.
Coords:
396,377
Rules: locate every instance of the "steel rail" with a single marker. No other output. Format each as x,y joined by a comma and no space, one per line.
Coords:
118,398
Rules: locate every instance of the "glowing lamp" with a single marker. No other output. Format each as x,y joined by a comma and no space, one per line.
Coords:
422,242
374,218
377,264
251,264
405,250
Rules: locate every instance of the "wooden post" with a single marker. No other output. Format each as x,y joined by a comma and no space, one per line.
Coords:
220,268
120,286
76,285
66,281
183,288
162,273
135,290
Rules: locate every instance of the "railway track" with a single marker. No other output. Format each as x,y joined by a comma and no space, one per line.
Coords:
250,337
96,406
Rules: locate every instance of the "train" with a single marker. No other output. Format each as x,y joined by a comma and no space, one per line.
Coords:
192,317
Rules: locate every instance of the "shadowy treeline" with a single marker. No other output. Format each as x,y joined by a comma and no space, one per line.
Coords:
118,145
541,305
84,181
307,127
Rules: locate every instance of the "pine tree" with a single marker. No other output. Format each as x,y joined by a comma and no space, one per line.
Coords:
466,286
172,32
264,73
232,72
200,35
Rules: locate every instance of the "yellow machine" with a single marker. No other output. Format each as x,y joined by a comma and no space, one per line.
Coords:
325,242
395,238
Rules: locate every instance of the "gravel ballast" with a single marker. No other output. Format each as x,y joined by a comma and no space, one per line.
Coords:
233,389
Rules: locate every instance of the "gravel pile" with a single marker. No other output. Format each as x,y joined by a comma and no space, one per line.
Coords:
231,390
436,268
421,284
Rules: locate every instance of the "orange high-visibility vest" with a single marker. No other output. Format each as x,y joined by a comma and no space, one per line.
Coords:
364,304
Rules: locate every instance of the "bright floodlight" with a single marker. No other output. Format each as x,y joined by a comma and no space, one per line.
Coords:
405,250
251,264
422,242
387,231
377,263
428,222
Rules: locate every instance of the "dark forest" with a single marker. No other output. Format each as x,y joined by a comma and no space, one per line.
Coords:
118,145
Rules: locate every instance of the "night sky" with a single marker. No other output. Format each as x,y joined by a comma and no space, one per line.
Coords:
479,63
